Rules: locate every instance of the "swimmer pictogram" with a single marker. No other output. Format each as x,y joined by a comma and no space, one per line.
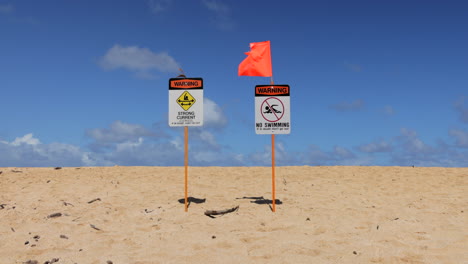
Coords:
186,100
272,109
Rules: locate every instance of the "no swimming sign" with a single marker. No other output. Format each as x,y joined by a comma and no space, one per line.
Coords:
272,109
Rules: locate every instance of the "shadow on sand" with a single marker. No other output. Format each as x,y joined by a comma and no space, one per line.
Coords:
192,200
261,200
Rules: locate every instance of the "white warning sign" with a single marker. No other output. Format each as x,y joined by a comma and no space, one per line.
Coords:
272,109
186,102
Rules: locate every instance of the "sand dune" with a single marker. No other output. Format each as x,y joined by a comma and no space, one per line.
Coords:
325,215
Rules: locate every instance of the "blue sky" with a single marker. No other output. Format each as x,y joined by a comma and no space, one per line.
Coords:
85,83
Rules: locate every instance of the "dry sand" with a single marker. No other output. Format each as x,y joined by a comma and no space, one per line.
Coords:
327,215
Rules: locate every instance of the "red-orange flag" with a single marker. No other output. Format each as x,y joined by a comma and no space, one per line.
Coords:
258,61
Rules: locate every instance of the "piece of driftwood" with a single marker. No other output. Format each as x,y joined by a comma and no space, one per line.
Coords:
54,215
66,204
252,197
94,200
221,212
94,227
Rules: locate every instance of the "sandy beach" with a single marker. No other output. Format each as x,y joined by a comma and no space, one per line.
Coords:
323,215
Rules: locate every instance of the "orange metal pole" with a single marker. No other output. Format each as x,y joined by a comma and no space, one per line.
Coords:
186,166
273,187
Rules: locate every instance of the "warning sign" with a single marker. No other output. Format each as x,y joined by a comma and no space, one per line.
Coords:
186,102
272,109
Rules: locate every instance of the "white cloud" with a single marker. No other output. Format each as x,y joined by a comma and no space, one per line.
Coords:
283,156
177,143
342,152
119,132
27,139
28,151
412,143
7,9
208,138
355,105
316,156
374,147
206,157
388,110
216,6
213,114
129,145
142,61
158,6
339,156
353,67
222,14
461,109
411,150
461,137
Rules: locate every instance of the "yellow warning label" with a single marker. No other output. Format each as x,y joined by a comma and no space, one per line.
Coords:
186,100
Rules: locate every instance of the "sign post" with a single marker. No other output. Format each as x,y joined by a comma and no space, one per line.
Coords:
272,116
185,109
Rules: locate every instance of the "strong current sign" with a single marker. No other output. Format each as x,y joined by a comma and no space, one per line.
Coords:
186,102
272,109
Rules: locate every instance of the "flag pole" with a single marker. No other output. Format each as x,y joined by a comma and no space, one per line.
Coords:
182,74
186,165
273,187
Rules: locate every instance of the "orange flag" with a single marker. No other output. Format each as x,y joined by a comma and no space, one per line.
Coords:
258,61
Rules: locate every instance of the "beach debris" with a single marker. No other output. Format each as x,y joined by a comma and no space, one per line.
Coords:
54,215
63,236
213,237
396,218
52,261
210,213
94,227
31,262
27,242
308,219
148,211
109,262
12,229
1,172
57,168
354,252
377,227
252,197
2,206
36,237
94,200
67,204
16,171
